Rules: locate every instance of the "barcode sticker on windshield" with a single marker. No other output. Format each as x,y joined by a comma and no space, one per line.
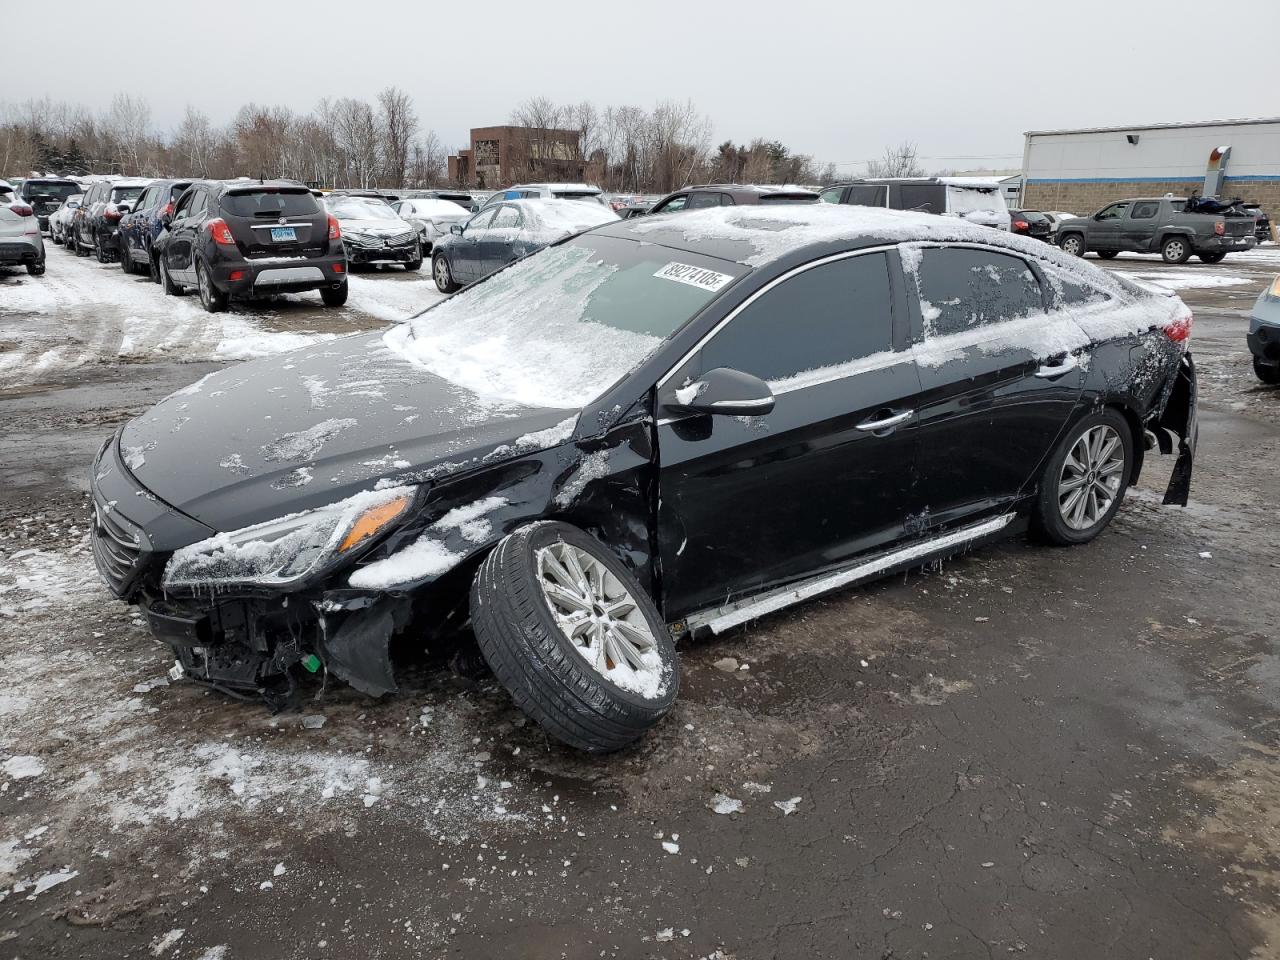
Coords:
694,276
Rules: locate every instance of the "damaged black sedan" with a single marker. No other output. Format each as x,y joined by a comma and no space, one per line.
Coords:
660,426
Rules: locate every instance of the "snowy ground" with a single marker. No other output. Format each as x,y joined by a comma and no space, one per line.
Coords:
1028,751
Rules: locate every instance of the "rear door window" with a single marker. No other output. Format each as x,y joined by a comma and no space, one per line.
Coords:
266,204
926,197
963,288
868,194
823,317
707,199
1144,210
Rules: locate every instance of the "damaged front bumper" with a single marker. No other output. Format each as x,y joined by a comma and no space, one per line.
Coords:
1178,422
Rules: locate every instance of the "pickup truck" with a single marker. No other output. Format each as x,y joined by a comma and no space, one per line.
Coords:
1157,225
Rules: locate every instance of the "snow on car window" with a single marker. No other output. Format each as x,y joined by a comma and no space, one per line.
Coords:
558,328
972,200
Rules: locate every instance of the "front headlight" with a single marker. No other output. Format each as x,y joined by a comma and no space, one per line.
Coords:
287,551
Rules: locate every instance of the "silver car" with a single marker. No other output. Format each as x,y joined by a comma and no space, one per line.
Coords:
431,217
20,241
60,219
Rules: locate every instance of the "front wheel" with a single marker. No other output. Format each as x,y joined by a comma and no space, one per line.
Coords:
444,278
78,246
1268,373
126,261
1212,257
1175,250
573,637
334,296
100,252
1085,479
1072,244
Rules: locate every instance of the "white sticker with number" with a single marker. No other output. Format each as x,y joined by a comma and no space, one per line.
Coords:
698,277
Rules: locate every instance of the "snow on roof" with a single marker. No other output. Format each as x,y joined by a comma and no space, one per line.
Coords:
555,186
131,182
768,233
970,181
566,214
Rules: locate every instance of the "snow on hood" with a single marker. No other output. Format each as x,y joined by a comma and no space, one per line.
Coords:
390,227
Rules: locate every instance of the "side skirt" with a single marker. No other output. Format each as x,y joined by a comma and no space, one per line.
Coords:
720,619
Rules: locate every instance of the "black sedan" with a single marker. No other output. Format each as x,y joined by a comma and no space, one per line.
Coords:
1031,223
660,426
507,231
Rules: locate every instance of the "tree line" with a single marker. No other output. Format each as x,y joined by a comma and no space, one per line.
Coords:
349,143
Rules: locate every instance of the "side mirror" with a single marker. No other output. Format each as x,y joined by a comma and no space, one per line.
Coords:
123,208
455,229
724,391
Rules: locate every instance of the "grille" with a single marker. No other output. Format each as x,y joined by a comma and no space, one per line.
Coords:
116,549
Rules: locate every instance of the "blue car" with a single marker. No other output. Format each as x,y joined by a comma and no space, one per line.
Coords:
140,227
1264,334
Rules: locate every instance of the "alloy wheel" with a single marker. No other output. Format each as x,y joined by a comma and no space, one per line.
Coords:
1091,477
597,614
442,273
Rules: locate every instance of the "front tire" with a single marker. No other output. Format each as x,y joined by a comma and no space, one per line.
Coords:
1212,257
211,298
126,260
1268,373
1085,480
573,637
1107,254
443,275
99,251
1175,250
334,296
1072,244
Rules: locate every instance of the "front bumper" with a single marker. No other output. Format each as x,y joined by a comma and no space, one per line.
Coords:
1264,340
27,248
400,253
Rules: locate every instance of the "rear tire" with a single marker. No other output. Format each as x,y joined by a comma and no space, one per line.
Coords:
1072,244
1268,373
166,281
334,296
1212,257
1085,480
211,298
443,275
1107,254
36,269
1175,250
553,679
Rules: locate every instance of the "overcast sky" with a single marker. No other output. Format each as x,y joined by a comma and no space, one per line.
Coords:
836,80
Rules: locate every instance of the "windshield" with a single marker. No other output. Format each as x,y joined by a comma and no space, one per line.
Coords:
126,194
358,208
560,327
54,191
974,200
266,204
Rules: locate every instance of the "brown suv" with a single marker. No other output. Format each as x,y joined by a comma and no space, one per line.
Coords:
730,194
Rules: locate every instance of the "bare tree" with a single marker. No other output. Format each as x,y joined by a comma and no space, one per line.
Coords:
130,123
899,161
430,161
398,124
194,142
356,136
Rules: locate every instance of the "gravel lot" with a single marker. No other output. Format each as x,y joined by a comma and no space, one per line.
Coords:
1058,753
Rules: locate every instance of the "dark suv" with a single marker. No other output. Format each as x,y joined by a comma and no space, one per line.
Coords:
730,194
45,195
246,239
141,226
97,223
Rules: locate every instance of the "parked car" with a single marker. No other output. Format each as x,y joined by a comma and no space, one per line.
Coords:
634,210
95,227
60,219
250,239
45,194
1055,218
463,199
20,241
1262,223
373,233
730,194
978,201
627,437
1031,223
431,217
140,227
505,232
366,194
548,191
1264,334
1157,225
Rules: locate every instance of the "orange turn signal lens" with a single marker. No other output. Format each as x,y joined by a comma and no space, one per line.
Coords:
373,521
1275,287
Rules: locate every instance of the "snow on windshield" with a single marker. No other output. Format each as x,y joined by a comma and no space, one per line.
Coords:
356,208
556,329
971,200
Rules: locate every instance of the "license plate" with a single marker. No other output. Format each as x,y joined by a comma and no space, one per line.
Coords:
283,234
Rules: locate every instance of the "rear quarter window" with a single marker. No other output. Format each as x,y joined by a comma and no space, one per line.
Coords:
271,203
963,288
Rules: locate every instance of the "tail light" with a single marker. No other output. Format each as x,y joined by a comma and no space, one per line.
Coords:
21,209
1219,228
335,231
1179,328
339,268
110,212
1020,224
220,232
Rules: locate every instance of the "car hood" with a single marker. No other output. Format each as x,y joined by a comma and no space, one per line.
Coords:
376,228
271,437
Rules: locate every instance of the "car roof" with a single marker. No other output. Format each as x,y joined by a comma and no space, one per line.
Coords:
763,189
49,180
581,187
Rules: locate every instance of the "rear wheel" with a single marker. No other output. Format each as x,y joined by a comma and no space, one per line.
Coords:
334,296
55,237
211,298
1107,254
1085,480
573,637
1073,244
1175,250
444,277
166,281
1268,373
36,269
153,265
1212,257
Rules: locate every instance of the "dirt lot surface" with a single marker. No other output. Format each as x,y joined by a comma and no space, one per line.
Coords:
1057,753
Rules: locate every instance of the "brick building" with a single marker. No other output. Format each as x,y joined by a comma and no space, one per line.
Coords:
501,156
1080,171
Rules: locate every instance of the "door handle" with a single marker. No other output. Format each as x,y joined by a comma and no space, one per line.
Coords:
1051,371
885,423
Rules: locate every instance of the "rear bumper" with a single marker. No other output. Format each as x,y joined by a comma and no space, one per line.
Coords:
1226,244
23,249
279,275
